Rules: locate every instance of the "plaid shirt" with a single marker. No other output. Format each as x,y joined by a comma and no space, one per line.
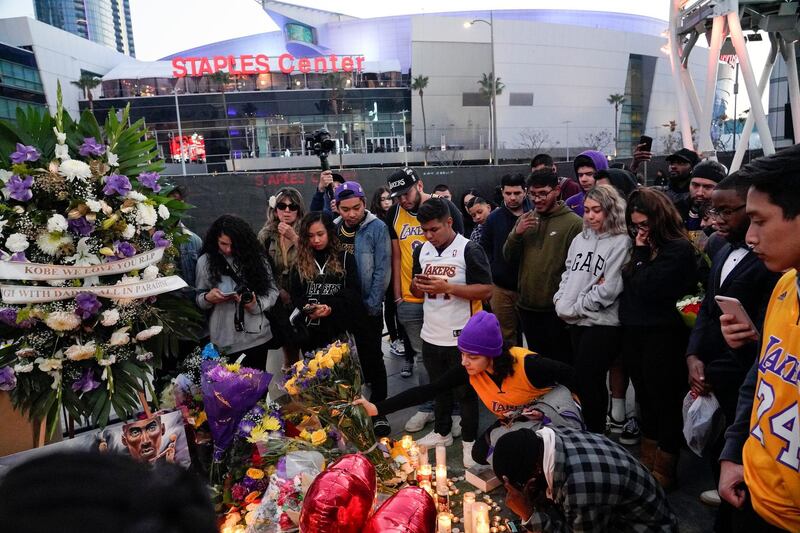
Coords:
599,486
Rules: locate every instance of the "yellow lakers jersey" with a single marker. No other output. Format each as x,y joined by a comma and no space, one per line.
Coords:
409,236
515,393
771,454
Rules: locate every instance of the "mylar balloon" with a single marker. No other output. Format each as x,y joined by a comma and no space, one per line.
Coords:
411,510
359,466
338,501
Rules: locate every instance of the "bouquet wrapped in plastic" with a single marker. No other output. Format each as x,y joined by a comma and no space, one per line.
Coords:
688,307
326,383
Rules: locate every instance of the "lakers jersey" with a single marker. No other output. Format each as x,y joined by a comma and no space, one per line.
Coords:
514,393
409,236
445,314
771,454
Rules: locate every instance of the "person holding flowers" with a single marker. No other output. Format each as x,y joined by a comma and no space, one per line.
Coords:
235,284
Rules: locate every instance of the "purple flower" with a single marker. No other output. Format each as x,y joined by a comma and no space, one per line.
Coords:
159,240
88,305
150,180
86,382
8,380
24,154
20,189
124,249
91,147
246,427
19,257
118,184
80,226
8,316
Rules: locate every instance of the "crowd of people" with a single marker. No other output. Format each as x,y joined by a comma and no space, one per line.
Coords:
557,283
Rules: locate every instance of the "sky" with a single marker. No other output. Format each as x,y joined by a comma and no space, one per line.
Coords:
162,27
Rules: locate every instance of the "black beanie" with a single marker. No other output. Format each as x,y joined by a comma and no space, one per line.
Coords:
517,456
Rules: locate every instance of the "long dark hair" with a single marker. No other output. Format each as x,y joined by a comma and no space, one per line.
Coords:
375,205
248,254
305,254
663,218
503,364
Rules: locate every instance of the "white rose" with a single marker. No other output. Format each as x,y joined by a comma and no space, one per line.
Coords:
129,231
109,317
93,205
120,337
163,212
62,152
146,215
73,169
17,242
81,352
150,273
113,159
135,195
56,224
152,331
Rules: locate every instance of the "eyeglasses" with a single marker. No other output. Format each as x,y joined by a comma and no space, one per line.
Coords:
725,212
642,226
539,195
283,207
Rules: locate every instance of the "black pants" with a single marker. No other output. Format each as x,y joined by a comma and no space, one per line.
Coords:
394,327
438,360
368,334
546,334
594,349
746,520
655,359
255,357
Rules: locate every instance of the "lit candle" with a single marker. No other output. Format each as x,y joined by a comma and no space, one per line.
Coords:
480,516
423,455
441,455
443,523
469,500
424,473
413,456
441,478
386,442
426,486
482,528
406,442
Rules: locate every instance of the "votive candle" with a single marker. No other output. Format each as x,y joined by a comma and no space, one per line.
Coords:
424,473
469,500
444,523
406,442
441,455
480,516
441,478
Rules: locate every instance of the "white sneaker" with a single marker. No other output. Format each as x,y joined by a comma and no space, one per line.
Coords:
468,462
710,498
418,421
397,348
456,429
433,439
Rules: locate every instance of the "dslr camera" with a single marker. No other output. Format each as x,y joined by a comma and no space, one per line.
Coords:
246,296
320,144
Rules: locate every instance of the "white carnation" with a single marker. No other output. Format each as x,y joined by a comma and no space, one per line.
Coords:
129,231
152,331
20,368
93,205
48,365
56,223
146,215
150,273
113,159
135,195
120,337
17,242
163,212
62,321
51,243
62,152
109,317
74,169
81,352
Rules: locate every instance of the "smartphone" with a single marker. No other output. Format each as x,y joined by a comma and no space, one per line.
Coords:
647,142
732,306
227,294
422,277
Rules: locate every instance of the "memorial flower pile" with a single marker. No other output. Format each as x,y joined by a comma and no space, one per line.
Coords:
87,239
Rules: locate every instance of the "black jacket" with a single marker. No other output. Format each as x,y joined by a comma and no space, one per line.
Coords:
652,287
495,232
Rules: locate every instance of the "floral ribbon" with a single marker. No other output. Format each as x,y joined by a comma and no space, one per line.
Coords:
24,294
41,272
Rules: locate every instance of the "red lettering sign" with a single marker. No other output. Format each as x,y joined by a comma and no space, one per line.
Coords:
260,63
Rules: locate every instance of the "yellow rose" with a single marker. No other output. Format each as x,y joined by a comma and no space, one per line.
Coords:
305,435
336,354
319,437
318,354
326,362
290,387
298,367
313,366
255,473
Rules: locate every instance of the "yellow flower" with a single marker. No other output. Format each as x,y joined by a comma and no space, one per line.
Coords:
335,353
259,434
318,354
305,435
270,424
255,473
313,366
319,437
326,362
290,387
298,367
202,417
233,367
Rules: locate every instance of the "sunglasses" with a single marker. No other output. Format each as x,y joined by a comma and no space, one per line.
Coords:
283,207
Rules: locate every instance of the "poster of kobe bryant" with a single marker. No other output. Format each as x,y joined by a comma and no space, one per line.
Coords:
159,438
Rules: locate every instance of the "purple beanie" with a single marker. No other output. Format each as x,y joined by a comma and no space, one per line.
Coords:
481,336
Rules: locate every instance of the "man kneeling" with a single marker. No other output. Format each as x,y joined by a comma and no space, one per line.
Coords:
570,480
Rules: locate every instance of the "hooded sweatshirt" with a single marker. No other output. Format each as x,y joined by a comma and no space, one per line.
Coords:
592,282
591,158
540,253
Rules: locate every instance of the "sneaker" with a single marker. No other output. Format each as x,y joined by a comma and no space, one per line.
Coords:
456,429
381,426
418,421
397,348
630,432
614,426
433,439
467,455
710,498
408,370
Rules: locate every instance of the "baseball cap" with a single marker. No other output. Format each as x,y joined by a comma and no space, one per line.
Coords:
348,189
686,155
710,170
401,181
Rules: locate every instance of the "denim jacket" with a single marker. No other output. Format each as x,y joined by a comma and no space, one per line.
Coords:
373,252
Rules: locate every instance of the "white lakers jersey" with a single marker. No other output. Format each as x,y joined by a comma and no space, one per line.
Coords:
445,315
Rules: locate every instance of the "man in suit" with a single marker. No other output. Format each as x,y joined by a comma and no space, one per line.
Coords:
738,273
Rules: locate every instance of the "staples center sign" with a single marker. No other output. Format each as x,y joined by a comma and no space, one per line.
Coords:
260,64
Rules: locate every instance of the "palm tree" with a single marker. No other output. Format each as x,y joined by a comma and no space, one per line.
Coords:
486,91
337,83
616,100
419,83
86,83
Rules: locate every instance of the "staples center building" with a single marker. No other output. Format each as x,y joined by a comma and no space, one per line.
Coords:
247,103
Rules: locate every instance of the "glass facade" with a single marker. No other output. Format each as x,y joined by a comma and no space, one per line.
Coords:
107,22
20,84
633,114
247,124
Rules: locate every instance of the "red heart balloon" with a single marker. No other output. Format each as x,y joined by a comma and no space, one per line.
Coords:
338,501
359,466
411,510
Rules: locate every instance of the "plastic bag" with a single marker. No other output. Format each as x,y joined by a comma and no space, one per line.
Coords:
703,421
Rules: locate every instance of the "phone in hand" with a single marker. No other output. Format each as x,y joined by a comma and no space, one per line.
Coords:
647,142
732,306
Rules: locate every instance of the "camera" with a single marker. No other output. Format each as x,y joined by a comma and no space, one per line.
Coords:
246,296
245,293
320,144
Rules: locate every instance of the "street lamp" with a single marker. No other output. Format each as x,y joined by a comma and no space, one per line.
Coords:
567,122
490,22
